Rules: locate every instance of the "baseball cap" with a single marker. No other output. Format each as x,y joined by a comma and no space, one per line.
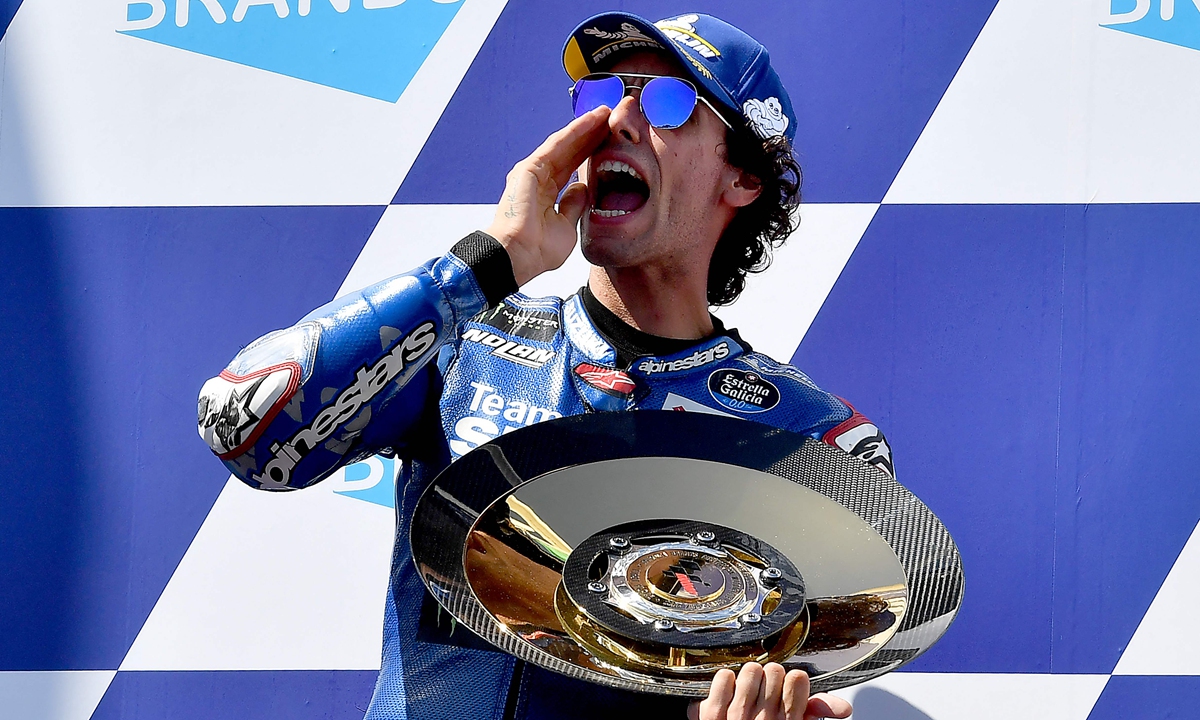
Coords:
728,65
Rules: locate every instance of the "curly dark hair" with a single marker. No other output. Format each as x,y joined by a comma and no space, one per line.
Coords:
763,225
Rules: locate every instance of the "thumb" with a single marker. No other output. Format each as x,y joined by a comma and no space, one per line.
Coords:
824,705
573,202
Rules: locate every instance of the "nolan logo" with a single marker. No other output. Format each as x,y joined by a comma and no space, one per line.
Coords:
367,47
1171,21
502,347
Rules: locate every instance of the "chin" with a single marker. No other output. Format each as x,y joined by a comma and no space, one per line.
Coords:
617,244
608,249
598,251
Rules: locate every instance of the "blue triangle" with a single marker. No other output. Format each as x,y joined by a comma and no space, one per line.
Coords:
262,695
865,79
1034,368
8,8
1158,697
125,312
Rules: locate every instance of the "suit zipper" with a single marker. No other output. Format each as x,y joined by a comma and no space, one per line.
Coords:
514,691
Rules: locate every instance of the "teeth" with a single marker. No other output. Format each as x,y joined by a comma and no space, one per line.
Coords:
609,213
617,166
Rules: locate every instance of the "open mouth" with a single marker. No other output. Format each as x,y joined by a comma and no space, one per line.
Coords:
620,190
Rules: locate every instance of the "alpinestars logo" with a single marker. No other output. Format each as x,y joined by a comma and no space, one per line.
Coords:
233,410
368,382
700,358
230,420
609,380
510,350
862,439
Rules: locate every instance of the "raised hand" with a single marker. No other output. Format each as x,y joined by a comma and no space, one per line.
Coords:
765,693
539,237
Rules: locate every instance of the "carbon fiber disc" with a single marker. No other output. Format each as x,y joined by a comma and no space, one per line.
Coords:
689,543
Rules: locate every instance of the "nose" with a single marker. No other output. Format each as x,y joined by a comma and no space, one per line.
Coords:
626,120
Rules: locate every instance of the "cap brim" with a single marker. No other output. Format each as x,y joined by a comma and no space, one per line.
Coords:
600,40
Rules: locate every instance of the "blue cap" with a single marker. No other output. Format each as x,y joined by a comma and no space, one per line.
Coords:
728,65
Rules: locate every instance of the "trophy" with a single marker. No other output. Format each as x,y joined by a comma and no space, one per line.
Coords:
647,550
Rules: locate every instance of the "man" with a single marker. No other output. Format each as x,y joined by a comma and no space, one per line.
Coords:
683,151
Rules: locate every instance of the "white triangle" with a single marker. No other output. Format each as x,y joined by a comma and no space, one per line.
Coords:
96,118
1050,107
978,696
276,581
1165,641
406,236
779,305
409,235
53,695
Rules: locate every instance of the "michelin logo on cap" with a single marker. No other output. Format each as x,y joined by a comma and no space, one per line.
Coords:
765,117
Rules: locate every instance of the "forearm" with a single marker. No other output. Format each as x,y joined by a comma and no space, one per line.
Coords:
352,377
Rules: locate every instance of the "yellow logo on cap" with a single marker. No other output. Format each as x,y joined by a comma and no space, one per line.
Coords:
682,31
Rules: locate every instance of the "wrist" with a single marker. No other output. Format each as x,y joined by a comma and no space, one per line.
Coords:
523,263
491,264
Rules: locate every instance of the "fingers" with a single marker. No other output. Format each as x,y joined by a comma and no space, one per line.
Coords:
565,150
770,698
573,202
795,695
720,694
749,692
765,692
824,705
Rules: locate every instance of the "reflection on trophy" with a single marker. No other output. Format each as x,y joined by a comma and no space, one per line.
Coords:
648,562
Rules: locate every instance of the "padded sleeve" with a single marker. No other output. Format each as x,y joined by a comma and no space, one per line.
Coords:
349,380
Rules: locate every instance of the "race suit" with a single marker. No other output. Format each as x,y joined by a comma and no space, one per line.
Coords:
428,365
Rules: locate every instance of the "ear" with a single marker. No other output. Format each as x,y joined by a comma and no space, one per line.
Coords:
742,188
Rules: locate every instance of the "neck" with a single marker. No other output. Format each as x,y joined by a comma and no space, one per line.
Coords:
654,302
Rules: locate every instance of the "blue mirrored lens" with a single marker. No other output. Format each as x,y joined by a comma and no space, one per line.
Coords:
593,91
668,102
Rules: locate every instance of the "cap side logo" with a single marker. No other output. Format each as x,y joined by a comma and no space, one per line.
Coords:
766,117
627,38
627,32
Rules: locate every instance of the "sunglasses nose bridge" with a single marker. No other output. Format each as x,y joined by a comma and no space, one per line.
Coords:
663,102
628,120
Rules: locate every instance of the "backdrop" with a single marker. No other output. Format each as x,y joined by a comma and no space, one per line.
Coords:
997,263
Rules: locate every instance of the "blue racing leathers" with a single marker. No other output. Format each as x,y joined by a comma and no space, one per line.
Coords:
428,365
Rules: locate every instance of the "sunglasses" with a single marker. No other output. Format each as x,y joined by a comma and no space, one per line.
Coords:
666,102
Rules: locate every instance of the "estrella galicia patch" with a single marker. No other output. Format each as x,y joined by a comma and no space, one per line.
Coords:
742,390
539,325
